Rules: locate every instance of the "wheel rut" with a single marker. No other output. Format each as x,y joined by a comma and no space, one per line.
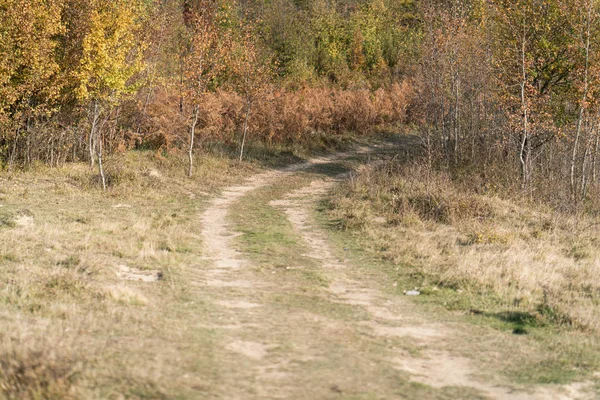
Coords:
290,354
251,335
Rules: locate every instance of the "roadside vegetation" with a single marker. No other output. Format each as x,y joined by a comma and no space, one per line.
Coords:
496,261
83,272
121,119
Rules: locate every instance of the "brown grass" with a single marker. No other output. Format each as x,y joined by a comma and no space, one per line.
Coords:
32,370
72,325
279,116
534,259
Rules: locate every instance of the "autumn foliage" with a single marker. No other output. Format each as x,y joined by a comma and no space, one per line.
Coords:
279,116
80,80
505,90
507,96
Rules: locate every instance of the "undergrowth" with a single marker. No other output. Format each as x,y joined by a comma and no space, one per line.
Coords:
530,259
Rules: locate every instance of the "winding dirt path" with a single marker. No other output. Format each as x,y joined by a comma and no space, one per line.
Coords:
218,234
290,353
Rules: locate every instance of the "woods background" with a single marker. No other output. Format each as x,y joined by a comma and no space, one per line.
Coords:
502,93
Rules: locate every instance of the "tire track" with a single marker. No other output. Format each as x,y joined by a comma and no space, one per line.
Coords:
392,316
272,374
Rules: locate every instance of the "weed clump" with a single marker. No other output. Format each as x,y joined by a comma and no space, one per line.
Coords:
401,193
30,372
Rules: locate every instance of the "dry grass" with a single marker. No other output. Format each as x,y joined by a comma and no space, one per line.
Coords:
535,260
74,325
96,291
279,116
35,369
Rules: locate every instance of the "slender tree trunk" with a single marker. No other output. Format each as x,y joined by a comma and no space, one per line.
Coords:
429,158
595,158
144,111
51,151
14,149
74,147
456,119
245,130
582,104
524,153
472,122
95,117
28,141
192,136
584,168
181,73
445,137
115,130
99,146
100,165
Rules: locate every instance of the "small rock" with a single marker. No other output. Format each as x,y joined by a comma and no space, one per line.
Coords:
412,293
336,389
154,174
132,274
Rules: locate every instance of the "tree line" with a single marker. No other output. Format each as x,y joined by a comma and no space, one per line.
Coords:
502,92
508,94
80,79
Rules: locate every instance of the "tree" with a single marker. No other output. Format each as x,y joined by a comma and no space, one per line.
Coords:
110,58
29,74
535,58
251,75
586,39
330,40
455,81
285,29
204,60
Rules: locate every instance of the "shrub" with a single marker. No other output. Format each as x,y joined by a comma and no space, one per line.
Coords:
279,116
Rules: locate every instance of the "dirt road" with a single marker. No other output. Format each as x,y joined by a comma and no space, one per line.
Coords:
313,325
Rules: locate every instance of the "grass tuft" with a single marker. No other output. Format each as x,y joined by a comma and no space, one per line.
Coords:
37,372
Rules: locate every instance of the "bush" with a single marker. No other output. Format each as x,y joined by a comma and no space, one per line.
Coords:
279,116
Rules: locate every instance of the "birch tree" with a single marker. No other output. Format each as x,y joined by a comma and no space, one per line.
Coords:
111,57
204,60
534,60
251,76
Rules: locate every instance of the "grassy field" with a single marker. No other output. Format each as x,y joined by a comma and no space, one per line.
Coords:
95,292
521,341
91,282
102,294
